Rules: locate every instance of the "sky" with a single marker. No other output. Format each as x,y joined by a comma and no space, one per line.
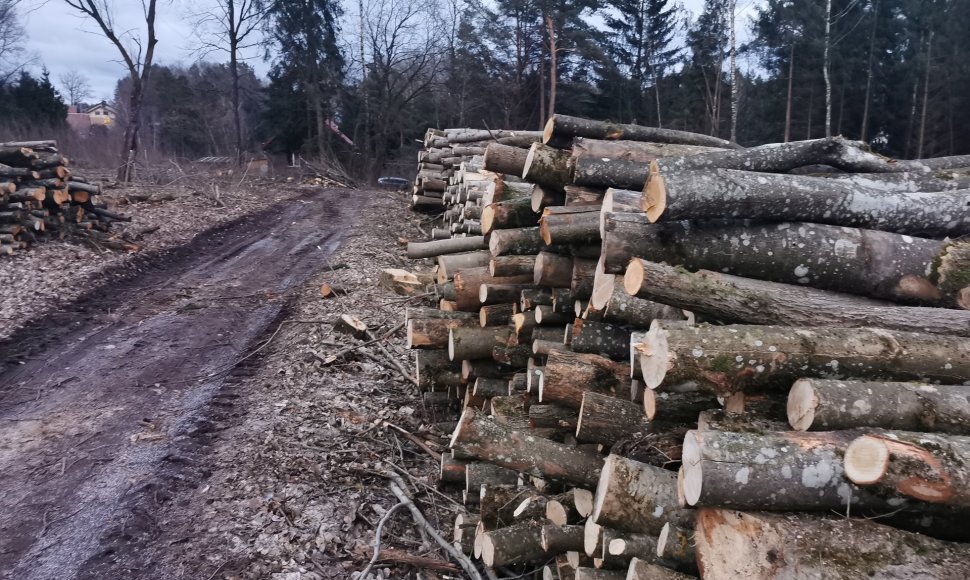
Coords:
76,46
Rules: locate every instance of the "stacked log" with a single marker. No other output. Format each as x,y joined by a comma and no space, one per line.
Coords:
652,322
42,199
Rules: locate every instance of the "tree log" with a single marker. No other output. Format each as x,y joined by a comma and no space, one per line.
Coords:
472,343
639,151
568,375
563,126
583,279
675,547
593,337
486,474
606,419
533,297
495,314
724,420
438,247
504,159
512,266
435,371
727,359
929,467
557,538
547,316
570,507
513,545
452,470
729,298
552,270
618,306
547,166
727,193
569,226
491,293
627,545
449,264
432,333
577,195
552,415
670,407
733,545
644,570
825,405
637,497
598,171
515,241
513,213
865,262
483,438
595,574
497,504
543,197
468,283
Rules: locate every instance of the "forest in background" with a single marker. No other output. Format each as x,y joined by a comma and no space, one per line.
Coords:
381,71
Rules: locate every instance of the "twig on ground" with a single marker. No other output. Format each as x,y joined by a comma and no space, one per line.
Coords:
342,352
400,368
434,454
398,488
377,539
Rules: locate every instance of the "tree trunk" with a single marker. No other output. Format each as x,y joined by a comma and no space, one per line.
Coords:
619,307
562,127
675,547
606,419
743,358
637,151
625,236
515,241
418,250
576,226
480,437
513,213
589,336
472,343
559,538
644,570
867,262
734,72
637,497
597,171
762,546
788,100
729,298
926,95
928,467
513,545
552,270
503,159
825,405
567,376
547,166
825,68
512,266
867,100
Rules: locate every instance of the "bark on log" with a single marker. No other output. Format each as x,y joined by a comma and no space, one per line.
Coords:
543,197
557,538
596,171
675,547
545,348
728,359
670,407
570,507
929,467
451,470
569,226
552,270
438,247
512,265
472,343
512,410
513,545
496,504
626,236
491,293
725,193
483,438
733,544
435,371
865,262
627,545
547,166
515,241
432,333
606,419
724,420
583,280
644,570
618,306
449,264
728,298
597,574
826,405
513,213
593,337
618,201
468,283
547,316
637,497
504,159
495,314
531,298
560,126
487,388
552,415
640,151
577,195
486,474
568,375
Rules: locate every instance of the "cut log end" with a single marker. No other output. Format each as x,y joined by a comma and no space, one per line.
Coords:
633,278
603,289
654,358
649,404
802,403
690,478
549,129
866,460
662,539
488,218
592,536
583,502
654,200
557,513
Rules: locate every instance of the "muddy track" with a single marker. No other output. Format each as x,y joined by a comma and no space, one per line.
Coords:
111,416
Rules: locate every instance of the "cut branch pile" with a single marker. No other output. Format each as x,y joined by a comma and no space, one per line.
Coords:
41,199
645,331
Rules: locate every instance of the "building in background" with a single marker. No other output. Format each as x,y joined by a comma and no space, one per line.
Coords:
83,118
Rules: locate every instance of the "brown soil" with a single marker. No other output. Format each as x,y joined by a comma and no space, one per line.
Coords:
180,424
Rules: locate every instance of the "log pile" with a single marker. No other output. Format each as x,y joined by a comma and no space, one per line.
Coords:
661,355
42,199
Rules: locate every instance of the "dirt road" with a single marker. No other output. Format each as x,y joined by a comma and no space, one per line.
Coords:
104,417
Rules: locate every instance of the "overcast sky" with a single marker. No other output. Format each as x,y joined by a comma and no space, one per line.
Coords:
73,43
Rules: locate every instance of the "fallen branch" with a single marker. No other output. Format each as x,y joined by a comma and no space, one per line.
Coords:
417,441
377,539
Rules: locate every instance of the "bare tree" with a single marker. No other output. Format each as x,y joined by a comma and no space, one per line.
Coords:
229,27
825,69
734,71
76,87
11,36
137,54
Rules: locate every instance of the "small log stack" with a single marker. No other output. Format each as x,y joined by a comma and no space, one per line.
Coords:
659,338
42,199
